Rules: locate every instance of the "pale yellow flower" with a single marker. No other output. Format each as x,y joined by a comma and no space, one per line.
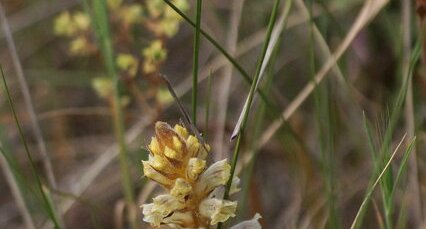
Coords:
64,25
81,21
177,162
114,4
127,63
103,86
131,14
79,46
153,55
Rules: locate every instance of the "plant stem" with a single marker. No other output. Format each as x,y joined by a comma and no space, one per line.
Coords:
195,62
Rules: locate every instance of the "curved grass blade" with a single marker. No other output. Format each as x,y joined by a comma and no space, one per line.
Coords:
48,205
250,100
363,206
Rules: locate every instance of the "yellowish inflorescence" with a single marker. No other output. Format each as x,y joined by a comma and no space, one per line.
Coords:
157,21
177,161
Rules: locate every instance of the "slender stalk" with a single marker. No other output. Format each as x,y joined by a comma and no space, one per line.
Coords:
250,100
226,81
104,37
47,165
363,206
221,50
195,61
49,207
416,203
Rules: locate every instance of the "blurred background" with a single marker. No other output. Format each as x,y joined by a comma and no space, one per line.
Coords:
341,85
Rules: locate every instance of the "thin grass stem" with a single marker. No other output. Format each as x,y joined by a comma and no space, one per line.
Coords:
196,53
47,204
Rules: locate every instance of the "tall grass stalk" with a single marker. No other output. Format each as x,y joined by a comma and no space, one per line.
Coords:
325,124
249,100
363,207
416,203
226,79
196,53
239,128
47,165
240,69
48,205
381,153
101,25
257,128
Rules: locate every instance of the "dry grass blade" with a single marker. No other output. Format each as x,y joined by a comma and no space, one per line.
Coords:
368,12
27,99
246,45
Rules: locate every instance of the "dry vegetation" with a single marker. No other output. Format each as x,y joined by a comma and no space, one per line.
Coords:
317,105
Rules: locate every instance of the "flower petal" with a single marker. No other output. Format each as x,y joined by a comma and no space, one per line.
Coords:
166,204
234,186
195,168
216,175
153,174
182,219
181,189
153,218
217,210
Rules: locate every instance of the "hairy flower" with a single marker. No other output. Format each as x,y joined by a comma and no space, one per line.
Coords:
177,161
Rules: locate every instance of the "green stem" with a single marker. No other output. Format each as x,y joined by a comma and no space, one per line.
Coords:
48,204
195,62
104,36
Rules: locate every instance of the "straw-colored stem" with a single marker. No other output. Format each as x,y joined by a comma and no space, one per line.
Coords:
416,203
226,80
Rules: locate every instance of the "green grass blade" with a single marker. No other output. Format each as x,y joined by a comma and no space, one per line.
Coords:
47,204
403,166
258,124
249,99
196,52
363,207
240,69
102,30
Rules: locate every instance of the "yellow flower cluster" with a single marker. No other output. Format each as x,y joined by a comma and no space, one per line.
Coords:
74,26
127,15
177,161
103,86
164,21
127,63
153,55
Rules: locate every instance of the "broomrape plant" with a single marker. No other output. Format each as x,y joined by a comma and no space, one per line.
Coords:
177,162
